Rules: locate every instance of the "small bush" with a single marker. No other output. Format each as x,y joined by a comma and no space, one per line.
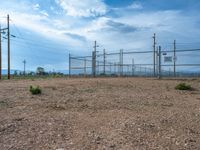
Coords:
3,104
183,86
35,90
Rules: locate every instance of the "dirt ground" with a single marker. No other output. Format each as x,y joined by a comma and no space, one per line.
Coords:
107,113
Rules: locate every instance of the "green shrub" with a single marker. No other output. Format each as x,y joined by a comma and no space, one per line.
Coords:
183,86
35,90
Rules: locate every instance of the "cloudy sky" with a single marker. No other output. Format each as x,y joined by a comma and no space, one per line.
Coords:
48,30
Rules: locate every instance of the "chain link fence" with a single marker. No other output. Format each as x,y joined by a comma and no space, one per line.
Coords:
170,63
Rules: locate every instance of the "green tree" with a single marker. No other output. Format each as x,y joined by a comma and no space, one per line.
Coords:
15,73
40,71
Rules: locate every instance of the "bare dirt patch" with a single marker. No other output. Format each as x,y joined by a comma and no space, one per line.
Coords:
110,113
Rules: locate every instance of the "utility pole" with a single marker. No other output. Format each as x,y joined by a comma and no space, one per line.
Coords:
8,22
24,62
154,54
0,56
8,38
174,58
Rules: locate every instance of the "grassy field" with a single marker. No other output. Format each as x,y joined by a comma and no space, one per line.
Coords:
101,113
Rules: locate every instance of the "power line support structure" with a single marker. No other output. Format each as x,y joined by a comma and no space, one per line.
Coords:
24,62
8,23
8,38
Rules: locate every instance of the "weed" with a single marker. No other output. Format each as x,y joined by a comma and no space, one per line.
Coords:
89,90
3,104
183,86
35,90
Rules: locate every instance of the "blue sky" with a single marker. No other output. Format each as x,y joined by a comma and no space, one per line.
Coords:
47,31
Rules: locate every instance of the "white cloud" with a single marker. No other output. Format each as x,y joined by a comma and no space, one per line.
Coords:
43,12
135,5
40,24
36,7
84,8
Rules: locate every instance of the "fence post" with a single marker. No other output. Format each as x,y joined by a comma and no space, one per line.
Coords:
159,64
110,68
174,58
85,67
97,72
133,67
121,62
94,64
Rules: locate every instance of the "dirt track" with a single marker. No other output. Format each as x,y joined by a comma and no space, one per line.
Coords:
112,113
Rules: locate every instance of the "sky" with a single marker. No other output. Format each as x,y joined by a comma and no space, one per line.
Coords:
47,31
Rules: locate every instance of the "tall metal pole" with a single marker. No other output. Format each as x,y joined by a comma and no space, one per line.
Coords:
174,58
24,62
0,56
8,22
154,54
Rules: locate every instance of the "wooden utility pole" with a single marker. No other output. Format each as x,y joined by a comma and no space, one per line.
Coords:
154,54
24,62
8,22
0,56
174,58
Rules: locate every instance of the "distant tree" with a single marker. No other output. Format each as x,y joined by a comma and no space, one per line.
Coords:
15,73
31,73
40,71
20,73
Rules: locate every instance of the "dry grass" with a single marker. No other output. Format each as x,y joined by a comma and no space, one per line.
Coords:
110,113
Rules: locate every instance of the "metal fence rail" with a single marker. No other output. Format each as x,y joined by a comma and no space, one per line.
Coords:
181,63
